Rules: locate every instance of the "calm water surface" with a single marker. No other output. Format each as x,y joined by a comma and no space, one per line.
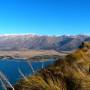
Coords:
10,68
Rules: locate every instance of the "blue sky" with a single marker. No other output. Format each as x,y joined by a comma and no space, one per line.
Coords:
52,17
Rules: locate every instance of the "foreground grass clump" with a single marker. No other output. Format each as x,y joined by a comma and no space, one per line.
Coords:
70,73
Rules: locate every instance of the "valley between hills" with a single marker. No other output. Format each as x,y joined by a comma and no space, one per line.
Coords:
32,54
37,47
70,71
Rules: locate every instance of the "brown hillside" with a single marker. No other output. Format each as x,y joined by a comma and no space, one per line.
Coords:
71,73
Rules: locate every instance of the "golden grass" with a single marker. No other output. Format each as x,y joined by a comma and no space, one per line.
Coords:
71,73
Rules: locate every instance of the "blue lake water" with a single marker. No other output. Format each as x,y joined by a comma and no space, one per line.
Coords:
10,68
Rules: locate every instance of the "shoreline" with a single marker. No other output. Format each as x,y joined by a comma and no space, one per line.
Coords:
31,55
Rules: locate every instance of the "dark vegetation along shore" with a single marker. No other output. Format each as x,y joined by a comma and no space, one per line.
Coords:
70,73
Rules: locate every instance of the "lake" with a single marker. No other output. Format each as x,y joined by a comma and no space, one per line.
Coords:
10,68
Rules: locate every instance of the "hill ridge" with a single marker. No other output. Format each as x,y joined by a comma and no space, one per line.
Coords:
42,42
71,73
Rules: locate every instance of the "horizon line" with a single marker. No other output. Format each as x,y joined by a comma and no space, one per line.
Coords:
33,34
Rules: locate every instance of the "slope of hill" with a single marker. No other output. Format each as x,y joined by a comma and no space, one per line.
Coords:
71,73
36,42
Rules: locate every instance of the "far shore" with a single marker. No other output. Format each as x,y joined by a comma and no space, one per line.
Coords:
32,54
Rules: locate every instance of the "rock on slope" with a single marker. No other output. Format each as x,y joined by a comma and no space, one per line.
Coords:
71,73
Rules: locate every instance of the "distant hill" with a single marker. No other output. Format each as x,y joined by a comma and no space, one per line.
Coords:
36,42
69,73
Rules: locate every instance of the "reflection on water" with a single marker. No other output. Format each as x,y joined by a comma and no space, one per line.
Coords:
10,68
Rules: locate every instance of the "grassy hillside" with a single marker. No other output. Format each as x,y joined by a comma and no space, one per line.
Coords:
71,73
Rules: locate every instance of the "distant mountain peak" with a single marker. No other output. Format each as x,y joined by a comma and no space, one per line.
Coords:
41,42
17,35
